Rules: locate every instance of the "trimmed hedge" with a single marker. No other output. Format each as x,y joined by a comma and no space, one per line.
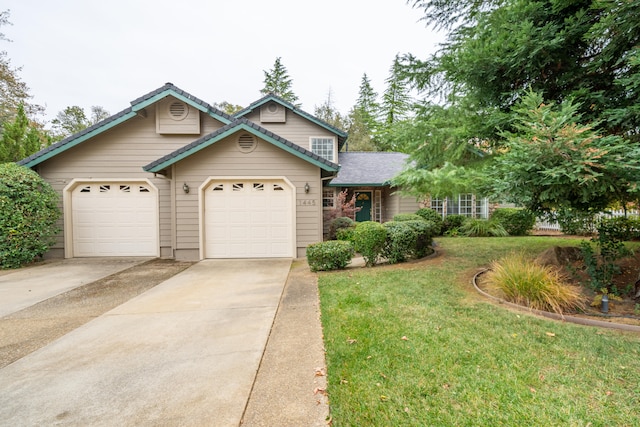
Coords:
369,238
330,255
452,223
517,222
338,224
28,213
400,242
432,215
425,231
407,217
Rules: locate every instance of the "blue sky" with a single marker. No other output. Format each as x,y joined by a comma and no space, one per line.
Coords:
107,53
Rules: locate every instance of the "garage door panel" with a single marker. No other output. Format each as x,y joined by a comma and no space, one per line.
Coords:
248,218
114,219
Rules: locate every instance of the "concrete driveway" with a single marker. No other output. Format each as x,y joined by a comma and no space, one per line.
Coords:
184,353
27,286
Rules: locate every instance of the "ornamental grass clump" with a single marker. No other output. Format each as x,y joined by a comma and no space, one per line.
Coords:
524,282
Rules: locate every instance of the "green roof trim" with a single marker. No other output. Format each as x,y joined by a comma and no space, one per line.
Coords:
186,99
240,125
377,184
72,142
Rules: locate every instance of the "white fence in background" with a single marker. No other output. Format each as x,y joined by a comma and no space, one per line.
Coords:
554,226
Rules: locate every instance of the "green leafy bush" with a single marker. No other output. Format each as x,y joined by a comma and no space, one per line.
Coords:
425,231
477,227
432,215
338,224
516,222
620,228
575,222
527,283
330,255
28,213
345,234
452,223
407,217
401,241
369,238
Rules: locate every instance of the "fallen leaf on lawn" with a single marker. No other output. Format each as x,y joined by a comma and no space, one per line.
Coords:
343,381
609,393
542,377
384,398
445,386
383,375
551,334
320,390
320,372
351,341
404,338
533,390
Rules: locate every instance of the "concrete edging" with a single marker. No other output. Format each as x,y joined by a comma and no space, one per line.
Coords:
555,316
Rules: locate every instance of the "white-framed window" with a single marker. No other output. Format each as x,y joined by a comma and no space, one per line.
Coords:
323,147
328,198
463,204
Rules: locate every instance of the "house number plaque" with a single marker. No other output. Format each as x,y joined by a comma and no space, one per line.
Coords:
307,202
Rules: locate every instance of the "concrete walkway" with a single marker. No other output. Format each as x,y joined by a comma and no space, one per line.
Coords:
184,353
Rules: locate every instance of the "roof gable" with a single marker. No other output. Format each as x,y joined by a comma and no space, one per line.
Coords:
342,135
136,107
231,128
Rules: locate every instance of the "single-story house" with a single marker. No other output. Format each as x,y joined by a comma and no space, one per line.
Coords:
172,176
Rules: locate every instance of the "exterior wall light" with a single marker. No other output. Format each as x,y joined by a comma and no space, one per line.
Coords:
185,188
307,188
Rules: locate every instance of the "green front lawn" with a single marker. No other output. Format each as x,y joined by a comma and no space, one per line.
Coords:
414,345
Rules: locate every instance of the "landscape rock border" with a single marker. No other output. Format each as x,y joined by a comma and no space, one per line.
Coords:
555,316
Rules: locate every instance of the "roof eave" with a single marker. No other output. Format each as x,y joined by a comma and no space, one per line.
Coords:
242,126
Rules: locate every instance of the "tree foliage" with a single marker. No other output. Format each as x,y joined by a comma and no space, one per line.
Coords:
28,213
73,119
21,138
328,113
13,91
551,161
278,82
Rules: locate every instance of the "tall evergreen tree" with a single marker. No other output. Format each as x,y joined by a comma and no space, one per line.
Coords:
20,138
328,113
278,82
363,118
396,100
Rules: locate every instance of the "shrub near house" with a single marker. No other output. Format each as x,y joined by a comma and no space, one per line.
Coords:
28,213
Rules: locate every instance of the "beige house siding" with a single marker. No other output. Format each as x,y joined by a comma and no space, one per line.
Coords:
120,153
296,129
224,159
394,204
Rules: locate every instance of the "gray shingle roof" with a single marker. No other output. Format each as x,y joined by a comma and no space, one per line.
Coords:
224,131
368,169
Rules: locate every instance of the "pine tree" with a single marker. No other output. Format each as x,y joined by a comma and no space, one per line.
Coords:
396,101
278,82
20,138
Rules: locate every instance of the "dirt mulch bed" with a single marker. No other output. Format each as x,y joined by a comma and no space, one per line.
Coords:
27,330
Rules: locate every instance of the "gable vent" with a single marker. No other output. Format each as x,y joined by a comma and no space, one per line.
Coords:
178,110
246,143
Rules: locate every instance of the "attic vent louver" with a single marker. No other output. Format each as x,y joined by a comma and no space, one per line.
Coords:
246,143
178,110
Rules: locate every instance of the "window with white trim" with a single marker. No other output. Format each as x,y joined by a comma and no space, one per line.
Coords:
464,204
328,198
323,147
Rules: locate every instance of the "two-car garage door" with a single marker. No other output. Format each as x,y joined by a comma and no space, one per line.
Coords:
248,218
243,218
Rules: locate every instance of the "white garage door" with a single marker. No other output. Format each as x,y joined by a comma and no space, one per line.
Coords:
115,219
248,219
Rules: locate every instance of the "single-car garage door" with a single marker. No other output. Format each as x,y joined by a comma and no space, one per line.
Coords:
115,219
248,219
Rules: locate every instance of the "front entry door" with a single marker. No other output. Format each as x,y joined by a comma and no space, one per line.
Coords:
363,200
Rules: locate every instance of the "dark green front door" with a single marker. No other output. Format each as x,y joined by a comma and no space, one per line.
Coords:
363,200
